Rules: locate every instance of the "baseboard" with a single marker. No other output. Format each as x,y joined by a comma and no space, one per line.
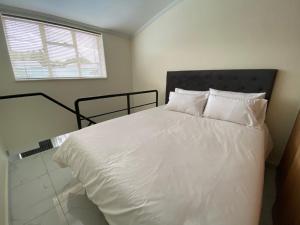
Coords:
4,213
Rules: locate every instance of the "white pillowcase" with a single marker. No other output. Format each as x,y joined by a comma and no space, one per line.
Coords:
190,92
243,108
232,94
187,103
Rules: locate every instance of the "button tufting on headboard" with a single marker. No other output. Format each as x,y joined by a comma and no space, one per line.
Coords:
252,80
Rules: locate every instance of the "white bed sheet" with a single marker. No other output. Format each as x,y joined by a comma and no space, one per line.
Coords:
159,167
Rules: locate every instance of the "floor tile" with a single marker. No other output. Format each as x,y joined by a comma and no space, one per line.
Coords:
26,170
32,199
62,180
54,216
33,192
47,158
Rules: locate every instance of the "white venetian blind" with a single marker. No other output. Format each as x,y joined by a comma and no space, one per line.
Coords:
40,50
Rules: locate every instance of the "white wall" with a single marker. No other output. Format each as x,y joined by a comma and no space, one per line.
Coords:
229,34
3,185
25,122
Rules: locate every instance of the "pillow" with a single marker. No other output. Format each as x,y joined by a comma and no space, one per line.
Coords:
187,103
242,110
183,91
232,94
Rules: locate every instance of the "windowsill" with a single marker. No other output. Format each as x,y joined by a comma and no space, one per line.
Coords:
58,79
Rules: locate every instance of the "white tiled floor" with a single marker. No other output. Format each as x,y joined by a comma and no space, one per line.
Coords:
41,193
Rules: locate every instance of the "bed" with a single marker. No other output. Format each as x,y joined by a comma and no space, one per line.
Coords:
159,167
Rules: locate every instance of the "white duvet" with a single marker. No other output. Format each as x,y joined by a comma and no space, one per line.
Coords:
158,167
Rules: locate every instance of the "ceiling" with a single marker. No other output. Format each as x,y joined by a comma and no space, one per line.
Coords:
122,16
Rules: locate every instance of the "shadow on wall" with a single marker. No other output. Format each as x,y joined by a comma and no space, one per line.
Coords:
25,122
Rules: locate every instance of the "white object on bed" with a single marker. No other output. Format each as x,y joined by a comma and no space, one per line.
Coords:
190,92
240,95
247,109
249,112
187,103
160,167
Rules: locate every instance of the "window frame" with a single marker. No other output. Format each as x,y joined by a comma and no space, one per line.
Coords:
100,43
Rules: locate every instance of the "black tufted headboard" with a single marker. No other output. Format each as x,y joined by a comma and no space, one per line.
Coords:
248,80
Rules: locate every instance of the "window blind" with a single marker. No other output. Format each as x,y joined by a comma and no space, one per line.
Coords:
40,50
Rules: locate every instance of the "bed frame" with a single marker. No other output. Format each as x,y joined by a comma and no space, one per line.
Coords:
245,80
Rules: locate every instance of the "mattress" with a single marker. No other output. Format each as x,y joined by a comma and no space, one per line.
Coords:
159,167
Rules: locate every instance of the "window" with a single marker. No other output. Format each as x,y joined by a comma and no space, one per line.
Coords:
40,50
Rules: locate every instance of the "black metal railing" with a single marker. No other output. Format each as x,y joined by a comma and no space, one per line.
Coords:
81,117
128,108
47,144
50,99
